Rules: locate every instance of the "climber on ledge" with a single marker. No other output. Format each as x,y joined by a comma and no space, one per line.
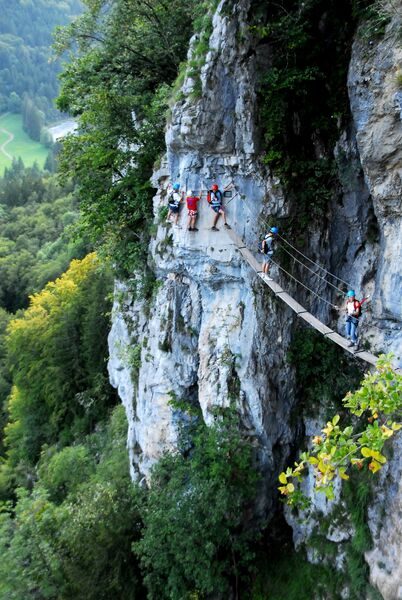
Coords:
174,200
268,248
353,309
192,202
215,199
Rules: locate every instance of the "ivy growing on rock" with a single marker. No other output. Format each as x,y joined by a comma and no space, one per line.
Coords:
303,94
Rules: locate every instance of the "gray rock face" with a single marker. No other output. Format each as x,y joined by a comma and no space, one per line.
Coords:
375,102
212,333
366,244
385,522
374,95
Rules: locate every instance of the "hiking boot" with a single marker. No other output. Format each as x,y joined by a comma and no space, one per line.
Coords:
227,226
351,344
214,229
195,229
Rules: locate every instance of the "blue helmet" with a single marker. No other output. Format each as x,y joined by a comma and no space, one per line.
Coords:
176,186
351,293
274,230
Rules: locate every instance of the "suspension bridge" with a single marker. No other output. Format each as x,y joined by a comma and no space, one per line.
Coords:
300,311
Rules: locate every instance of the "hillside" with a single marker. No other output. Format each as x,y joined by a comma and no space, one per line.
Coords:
180,423
26,31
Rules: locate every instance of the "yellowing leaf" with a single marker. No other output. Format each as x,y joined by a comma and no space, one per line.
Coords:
335,420
378,456
366,452
290,488
313,460
327,430
283,478
396,426
343,475
386,431
374,466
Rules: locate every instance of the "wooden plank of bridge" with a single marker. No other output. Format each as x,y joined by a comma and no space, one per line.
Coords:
344,343
235,238
253,262
298,308
316,323
367,356
275,287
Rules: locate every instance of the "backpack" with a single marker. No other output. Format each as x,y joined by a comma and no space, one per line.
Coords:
266,249
171,199
218,196
358,308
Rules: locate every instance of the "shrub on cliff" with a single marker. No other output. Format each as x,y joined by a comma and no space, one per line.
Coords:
195,538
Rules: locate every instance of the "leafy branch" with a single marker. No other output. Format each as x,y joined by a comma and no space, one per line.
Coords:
338,448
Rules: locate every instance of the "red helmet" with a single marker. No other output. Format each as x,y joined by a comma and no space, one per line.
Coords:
215,187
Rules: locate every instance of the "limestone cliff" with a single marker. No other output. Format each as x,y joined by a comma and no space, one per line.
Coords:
213,333
206,335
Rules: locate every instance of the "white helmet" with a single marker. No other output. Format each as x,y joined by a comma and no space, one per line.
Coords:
189,193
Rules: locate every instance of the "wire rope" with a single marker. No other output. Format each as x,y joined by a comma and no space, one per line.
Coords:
305,286
313,272
301,253
315,263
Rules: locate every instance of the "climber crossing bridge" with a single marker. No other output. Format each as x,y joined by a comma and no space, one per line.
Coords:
298,308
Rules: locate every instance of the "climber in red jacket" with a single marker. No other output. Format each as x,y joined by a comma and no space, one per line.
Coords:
192,207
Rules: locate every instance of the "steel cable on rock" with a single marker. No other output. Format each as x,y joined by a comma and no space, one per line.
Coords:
304,285
304,256
297,280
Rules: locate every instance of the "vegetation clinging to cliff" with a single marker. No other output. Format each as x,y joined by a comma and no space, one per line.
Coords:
117,85
196,538
303,94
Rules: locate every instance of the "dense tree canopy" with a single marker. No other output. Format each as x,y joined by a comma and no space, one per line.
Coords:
196,538
126,55
57,351
35,247
25,38
71,537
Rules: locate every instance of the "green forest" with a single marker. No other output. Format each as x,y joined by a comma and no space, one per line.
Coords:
28,79
73,525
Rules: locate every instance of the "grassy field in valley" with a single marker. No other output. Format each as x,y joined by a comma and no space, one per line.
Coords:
14,142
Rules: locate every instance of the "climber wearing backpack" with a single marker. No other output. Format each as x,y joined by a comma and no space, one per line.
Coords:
215,199
174,200
192,205
268,248
353,309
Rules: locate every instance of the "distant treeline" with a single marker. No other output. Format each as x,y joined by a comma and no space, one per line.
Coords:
28,81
